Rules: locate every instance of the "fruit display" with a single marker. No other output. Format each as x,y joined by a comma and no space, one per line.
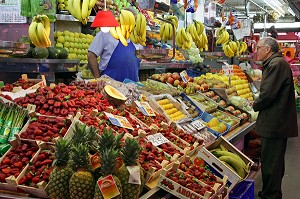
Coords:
229,119
183,39
212,95
166,29
62,5
232,160
81,10
76,44
216,125
173,113
222,36
157,88
194,54
46,129
20,82
209,104
178,55
234,48
39,31
191,107
113,5
242,88
237,112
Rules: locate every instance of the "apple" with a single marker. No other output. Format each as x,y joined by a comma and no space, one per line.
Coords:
197,87
169,74
200,81
170,80
155,76
176,76
176,82
183,84
205,87
162,79
191,79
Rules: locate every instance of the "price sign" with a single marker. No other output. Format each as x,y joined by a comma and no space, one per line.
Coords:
228,70
184,76
119,121
145,108
198,125
157,139
108,187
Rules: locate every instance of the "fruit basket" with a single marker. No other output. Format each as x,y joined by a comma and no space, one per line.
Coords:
152,54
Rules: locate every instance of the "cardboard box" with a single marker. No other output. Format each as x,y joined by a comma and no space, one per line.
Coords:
216,166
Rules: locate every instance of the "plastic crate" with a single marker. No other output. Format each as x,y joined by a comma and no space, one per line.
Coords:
193,73
243,190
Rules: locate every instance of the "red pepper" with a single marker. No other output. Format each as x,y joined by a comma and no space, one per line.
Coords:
37,103
57,104
72,88
45,106
50,96
73,94
84,102
64,104
31,100
32,95
58,98
41,91
51,102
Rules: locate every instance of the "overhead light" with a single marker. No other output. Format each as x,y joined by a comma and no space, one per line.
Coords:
291,11
295,25
274,8
104,19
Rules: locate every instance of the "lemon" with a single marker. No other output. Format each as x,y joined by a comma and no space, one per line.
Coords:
59,45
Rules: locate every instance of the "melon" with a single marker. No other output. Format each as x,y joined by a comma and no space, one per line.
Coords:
114,96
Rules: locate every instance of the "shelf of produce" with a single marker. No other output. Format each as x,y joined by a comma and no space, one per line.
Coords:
62,17
153,65
39,61
240,132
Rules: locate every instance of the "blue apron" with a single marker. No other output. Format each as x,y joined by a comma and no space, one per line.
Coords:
123,63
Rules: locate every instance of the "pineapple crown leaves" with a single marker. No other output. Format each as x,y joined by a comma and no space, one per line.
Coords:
109,141
108,161
79,157
83,134
62,152
130,152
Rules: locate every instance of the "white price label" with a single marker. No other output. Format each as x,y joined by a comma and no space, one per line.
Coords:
157,139
134,175
145,108
228,70
198,124
119,121
184,76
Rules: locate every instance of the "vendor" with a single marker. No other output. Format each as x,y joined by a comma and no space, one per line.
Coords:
117,61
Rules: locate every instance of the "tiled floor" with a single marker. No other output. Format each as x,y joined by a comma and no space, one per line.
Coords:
291,180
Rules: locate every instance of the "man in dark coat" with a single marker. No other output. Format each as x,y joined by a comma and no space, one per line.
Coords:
277,119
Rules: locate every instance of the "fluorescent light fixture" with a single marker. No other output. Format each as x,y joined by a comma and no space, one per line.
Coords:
291,11
295,25
274,8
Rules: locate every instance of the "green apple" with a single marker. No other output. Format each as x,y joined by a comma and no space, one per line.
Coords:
59,45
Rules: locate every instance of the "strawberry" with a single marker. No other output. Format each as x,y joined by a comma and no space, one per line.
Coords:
29,176
14,171
18,164
36,179
6,160
6,170
23,180
41,157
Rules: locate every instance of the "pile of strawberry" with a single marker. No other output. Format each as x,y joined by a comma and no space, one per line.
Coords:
198,172
21,82
46,129
188,181
39,170
169,149
175,140
16,160
64,100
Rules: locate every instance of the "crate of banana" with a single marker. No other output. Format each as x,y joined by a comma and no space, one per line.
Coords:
234,48
166,29
81,9
183,39
226,160
126,28
39,31
196,30
222,36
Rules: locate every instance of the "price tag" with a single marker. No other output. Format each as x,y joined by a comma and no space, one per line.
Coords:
134,175
119,121
95,161
145,108
198,125
157,139
184,76
108,187
228,70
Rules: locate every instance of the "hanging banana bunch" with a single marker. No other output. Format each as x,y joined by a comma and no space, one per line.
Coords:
81,9
127,23
232,48
183,39
166,29
196,30
39,31
222,36
138,36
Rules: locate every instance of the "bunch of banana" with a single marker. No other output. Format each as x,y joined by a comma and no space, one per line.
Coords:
199,39
166,31
242,47
81,9
138,35
232,160
222,36
183,39
39,31
127,24
174,20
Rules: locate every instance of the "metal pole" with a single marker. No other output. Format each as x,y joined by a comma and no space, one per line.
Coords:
258,6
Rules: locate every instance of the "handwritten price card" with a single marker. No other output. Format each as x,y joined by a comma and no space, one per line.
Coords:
119,121
145,108
157,139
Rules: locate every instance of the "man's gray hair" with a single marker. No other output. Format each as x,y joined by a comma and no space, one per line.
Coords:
270,41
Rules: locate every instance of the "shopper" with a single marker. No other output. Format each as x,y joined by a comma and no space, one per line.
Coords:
116,60
277,119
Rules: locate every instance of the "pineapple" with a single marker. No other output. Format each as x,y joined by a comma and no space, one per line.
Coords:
108,160
108,140
58,186
82,182
84,134
130,153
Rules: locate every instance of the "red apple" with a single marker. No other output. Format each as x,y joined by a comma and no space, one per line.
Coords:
200,81
170,80
205,86
183,84
163,79
191,79
197,87
176,77
176,82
